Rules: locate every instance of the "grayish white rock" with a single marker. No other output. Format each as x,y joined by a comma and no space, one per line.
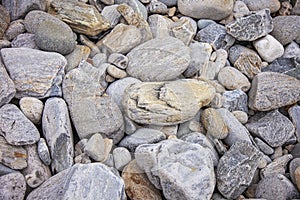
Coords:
97,148
277,166
119,60
263,147
12,186
121,157
160,26
294,113
235,100
43,151
111,14
32,108
7,86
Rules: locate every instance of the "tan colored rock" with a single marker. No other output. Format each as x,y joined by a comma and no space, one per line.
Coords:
137,185
4,20
32,109
80,53
81,17
241,116
116,72
297,177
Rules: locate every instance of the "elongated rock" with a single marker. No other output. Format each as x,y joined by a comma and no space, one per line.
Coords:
35,73
7,86
271,90
166,103
4,21
294,113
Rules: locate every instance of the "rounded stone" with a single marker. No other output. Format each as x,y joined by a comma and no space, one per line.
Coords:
32,109
273,5
116,72
121,157
12,186
241,116
51,36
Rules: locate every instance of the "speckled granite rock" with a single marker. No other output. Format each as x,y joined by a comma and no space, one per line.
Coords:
7,86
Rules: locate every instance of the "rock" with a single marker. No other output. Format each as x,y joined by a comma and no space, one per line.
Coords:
236,169
296,8
260,22
215,10
274,128
240,9
7,86
294,113
241,116
286,28
58,133
97,148
80,53
28,66
157,7
166,103
119,60
72,184
235,100
4,21
5,170
111,14
137,7
15,28
268,48
81,17
184,29
16,128
295,151
137,185
278,166
174,159
121,158
202,23
116,72
11,156
293,165
273,5
267,89
43,151
160,26
297,177
82,89
12,186
263,147
32,109
214,123
142,136
292,50
25,40
233,79
172,55
99,59
276,187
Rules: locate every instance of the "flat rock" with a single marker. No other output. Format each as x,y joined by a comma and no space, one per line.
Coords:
12,186
72,184
172,160
4,21
273,5
16,128
136,5
172,58
236,169
81,52
35,73
263,147
58,133
294,113
160,26
267,89
32,109
274,128
7,86
166,103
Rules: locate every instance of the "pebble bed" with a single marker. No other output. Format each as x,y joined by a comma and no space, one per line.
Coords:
149,99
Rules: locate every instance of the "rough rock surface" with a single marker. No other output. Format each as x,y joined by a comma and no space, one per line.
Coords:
294,113
32,109
12,186
7,86
4,21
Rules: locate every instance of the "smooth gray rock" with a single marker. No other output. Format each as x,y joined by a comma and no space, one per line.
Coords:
12,186
273,5
292,50
7,86
82,181
142,136
160,26
170,163
236,169
25,40
172,58
5,170
157,7
111,14
35,73
58,133
277,166
98,148
235,100
263,147
121,157
43,151
32,109
16,128
294,113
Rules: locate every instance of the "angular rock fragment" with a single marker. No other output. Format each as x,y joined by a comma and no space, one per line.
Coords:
7,86
160,26
136,6
25,40
12,186
111,14
235,100
294,113
98,148
184,29
278,166
15,28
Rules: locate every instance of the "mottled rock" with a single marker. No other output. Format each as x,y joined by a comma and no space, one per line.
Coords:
7,86
174,159
119,60
277,166
294,113
58,133
172,58
292,50
99,59
137,185
263,147
15,28
160,26
43,151
273,5
81,17
251,27
166,103
241,116
137,7
81,52
184,29
111,14
297,177
12,186
116,72
142,136
97,148
267,91
235,100
25,40
82,181
296,8
157,7
32,109
121,158
4,21
293,165
35,73
236,169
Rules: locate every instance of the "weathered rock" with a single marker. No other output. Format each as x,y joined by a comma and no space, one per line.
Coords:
43,151
166,103
296,8
184,29
157,7
12,186
241,116
14,157
297,177
293,165
278,166
160,26
292,50
273,5
263,147
58,133
81,17
236,169
136,6
7,86
34,72
235,100
26,40
4,21
294,113
15,28
215,10
5,170
111,14
98,148
121,158
251,27
116,72
274,128
72,183
172,58
267,89
142,136
80,53
32,109
137,185
172,160
119,60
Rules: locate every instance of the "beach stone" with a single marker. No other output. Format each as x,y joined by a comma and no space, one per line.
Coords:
292,50
184,29
15,28
296,8
277,166
157,7
72,184
293,165
295,151
268,48
119,60
99,59
263,147
81,52
260,22
288,66
174,159
58,133
160,26
12,186
235,100
7,86
5,170
25,40
172,55
116,72
32,109
137,7
286,28
276,187
14,157
267,89
297,177
274,128
43,151
97,148
166,103
142,136
273,5
28,66
4,21
16,128
215,10
81,17
236,169
5,44
241,116
121,158
294,113
111,14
